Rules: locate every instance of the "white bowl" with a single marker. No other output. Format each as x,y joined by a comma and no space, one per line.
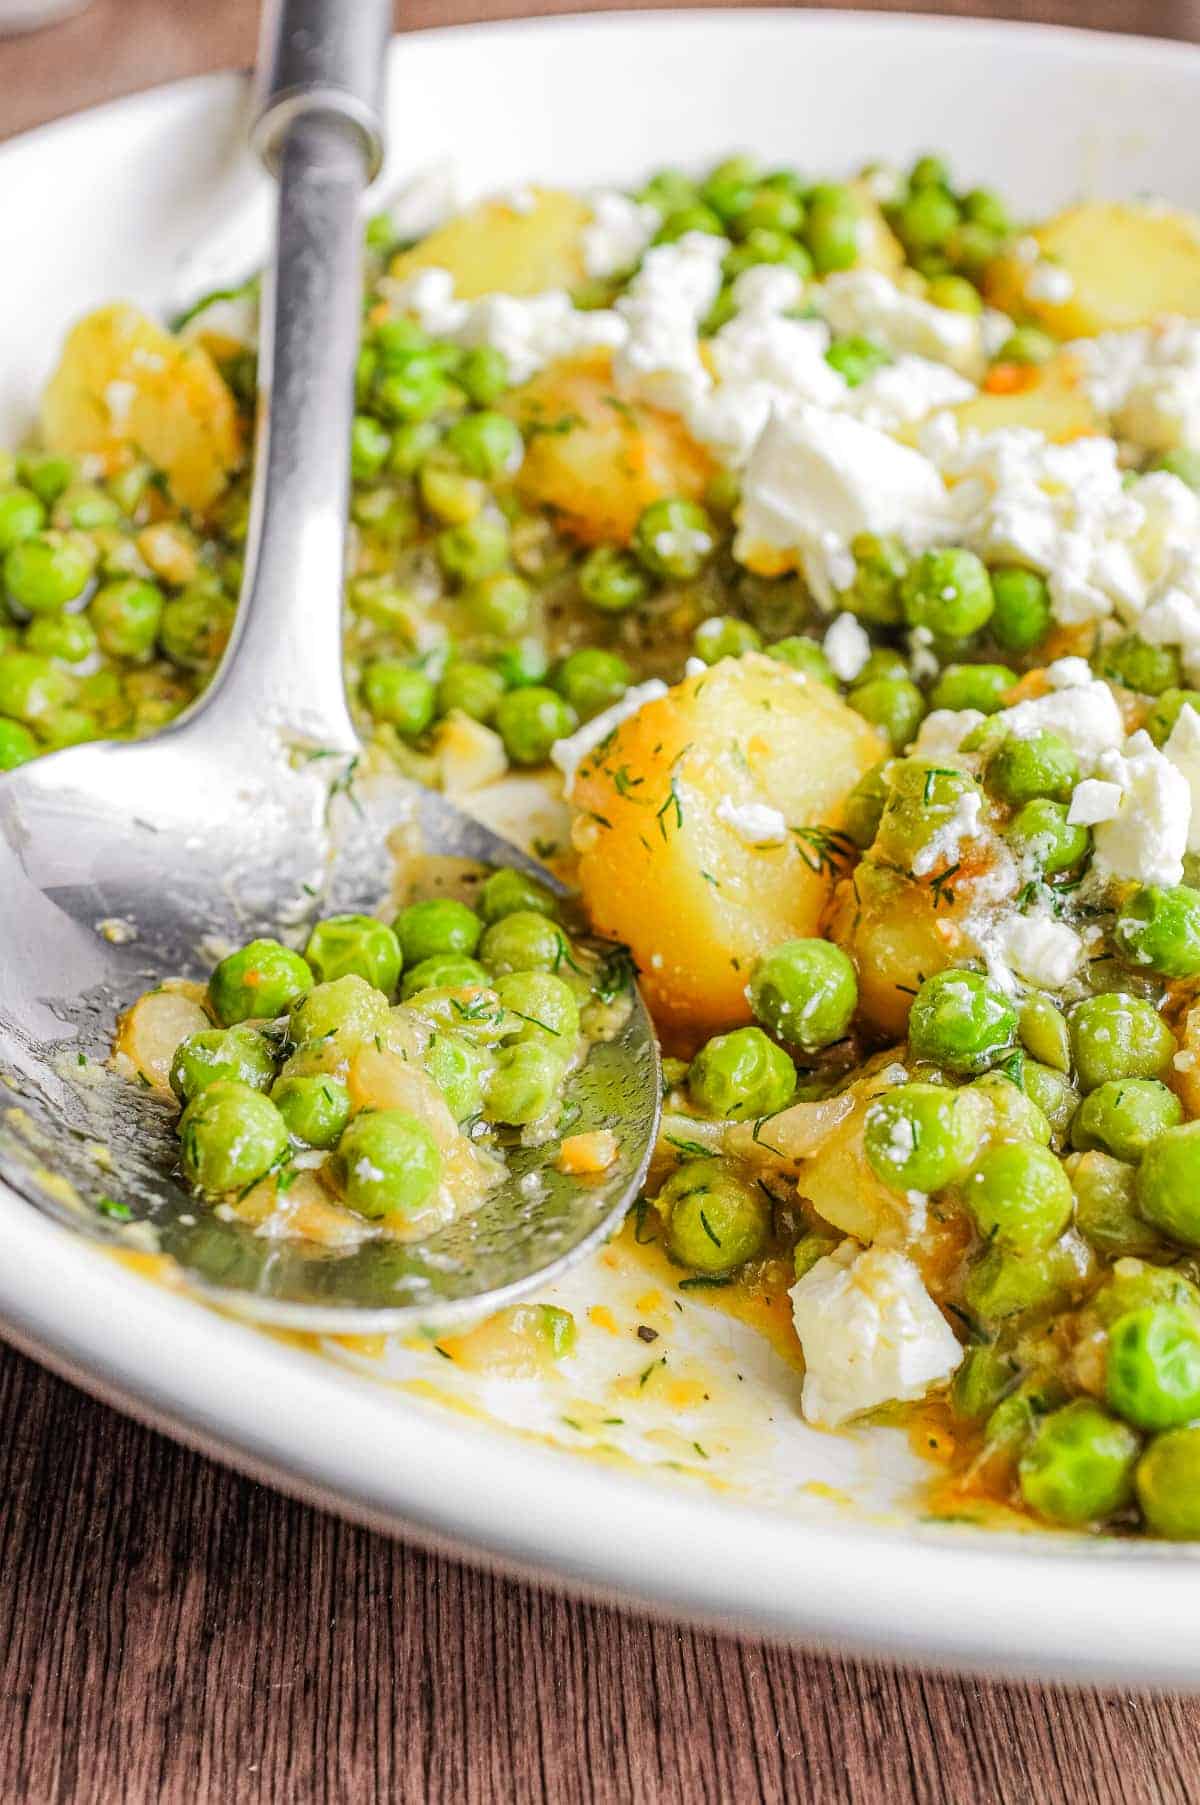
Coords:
148,198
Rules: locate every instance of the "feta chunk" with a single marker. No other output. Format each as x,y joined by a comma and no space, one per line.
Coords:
943,731
618,232
847,647
531,330
1147,381
1039,949
754,823
1093,801
870,1332
1084,713
865,301
1183,750
906,391
568,754
662,309
815,479
1148,836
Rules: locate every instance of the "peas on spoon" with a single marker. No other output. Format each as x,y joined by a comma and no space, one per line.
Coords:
247,824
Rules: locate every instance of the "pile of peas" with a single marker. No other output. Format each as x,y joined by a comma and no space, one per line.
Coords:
496,998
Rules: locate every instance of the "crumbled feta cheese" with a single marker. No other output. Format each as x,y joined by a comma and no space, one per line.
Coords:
1049,282
618,233
1148,836
870,1332
1183,750
1039,949
945,847
1084,713
847,647
531,330
1147,381
694,667
662,309
568,754
768,288
906,391
816,479
943,731
1093,801
865,301
754,823
762,363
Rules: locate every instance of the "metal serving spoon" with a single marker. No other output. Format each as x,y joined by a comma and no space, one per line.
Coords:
119,863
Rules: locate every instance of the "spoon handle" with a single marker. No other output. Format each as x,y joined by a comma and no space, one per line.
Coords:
319,129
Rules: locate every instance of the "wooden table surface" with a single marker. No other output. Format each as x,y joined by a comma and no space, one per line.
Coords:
169,1632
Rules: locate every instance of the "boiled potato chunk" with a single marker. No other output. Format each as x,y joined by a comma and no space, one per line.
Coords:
149,1034
1129,262
896,933
661,870
596,460
497,248
125,388
1050,400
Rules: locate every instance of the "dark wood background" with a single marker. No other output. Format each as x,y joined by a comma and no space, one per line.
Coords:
169,1632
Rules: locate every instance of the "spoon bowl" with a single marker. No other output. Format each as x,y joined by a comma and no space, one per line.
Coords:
122,865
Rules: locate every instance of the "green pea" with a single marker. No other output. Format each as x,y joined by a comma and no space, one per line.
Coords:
461,1070
1167,710
509,892
723,492
613,580
773,210
1020,1194
1040,833
962,1021
544,1005
523,664
499,604
955,294
1012,1421
1114,1035
865,805
682,220
529,722
831,233
1043,765
668,190
21,516
1159,927
260,981
127,616
370,443
358,945
524,941
802,654
70,637
525,1084
1153,1371
1124,1116
922,1137
349,1007
1183,462
195,628
979,686
484,374
716,1220
315,1107
411,443
396,340
893,704
1168,1485
449,494
414,389
674,539
986,1375
881,565
1167,1186
927,218
805,991
1135,664
399,695
1079,1466
741,1075
1044,1034
1135,1285
387,1164
48,474
591,680
1005,1281
729,187
929,171
984,207
1105,1210
1050,1091
475,549
442,971
241,1054
1022,612
487,444
472,689
855,358
47,570
762,244
230,1136
810,1249
725,636
923,799
17,745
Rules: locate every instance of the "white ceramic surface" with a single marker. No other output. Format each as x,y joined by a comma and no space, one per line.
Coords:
151,198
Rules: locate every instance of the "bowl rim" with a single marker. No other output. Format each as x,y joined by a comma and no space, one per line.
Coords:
1035,1603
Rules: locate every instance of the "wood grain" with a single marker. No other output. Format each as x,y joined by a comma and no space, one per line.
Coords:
172,1633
